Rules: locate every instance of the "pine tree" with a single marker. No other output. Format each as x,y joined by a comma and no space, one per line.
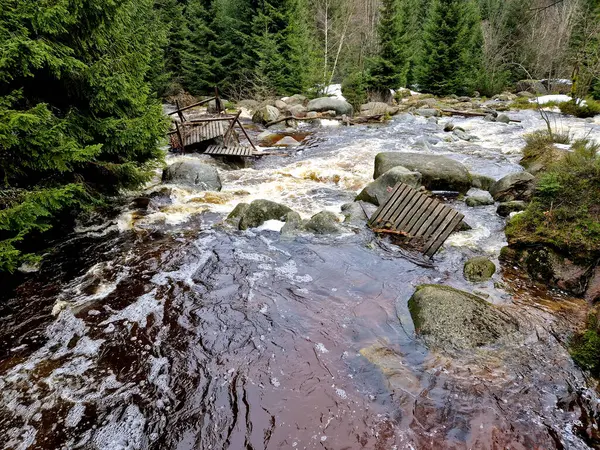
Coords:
413,14
389,66
170,13
77,120
450,56
197,61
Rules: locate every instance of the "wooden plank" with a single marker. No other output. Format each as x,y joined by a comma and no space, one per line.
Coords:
406,201
439,229
419,216
410,210
396,206
383,210
435,245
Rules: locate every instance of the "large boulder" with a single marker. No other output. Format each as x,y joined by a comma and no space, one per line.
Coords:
479,197
194,174
378,191
506,208
378,108
260,211
298,110
516,186
479,269
293,225
266,114
357,214
532,86
482,181
323,104
438,172
428,112
324,222
296,99
451,319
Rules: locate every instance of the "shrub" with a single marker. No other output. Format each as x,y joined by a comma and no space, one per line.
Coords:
354,88
585,347
591,108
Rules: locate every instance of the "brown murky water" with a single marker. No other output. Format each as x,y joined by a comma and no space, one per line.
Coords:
162,332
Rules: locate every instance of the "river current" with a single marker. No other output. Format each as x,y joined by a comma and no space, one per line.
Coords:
164,329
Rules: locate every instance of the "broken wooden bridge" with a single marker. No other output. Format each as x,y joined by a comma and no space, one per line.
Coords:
416,220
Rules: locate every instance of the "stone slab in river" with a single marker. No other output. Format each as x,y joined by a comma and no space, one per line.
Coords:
438,172
322,104
193,174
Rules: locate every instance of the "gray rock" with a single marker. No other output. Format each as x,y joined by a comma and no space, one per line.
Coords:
260,211
478,197
324,222
428,112
312,115
193,174
281,105
234,216
322,104
516,186
482,181
463,99
298,110
378,191
525,94
479,269
377,108
296,99
532,86
448,127
438,172
450,319
265,115
463,135
354,215
503,118
287,141
293,225
506,208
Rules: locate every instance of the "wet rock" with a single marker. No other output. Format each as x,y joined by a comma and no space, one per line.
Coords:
235,216
298,110
592,293
428,112
479,269
378,191
324,222
266,114
463,135
489,118
354,215
503,118
267,138
516,186
322,104
293,225
287,141
295,100
531,86
506,208
482,181
312,115
260,211
195,174
463,226
451,319
448,127
378,108
281,105
478,197
546,265
140,203
400,377
438,172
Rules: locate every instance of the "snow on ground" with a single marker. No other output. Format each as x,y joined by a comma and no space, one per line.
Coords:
550,98
334,90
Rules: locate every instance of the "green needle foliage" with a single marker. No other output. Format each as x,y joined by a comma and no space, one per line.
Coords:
77,118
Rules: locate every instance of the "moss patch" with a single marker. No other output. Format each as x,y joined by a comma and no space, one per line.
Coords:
585,347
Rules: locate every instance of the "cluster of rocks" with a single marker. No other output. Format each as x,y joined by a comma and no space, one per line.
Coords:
298,106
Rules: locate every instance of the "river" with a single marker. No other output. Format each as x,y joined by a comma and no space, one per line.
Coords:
166,330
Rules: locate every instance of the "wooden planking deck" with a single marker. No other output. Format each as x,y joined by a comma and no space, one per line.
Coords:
232,150
425,222
199,132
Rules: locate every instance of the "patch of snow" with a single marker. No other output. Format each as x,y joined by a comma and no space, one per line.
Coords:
334,90
544,99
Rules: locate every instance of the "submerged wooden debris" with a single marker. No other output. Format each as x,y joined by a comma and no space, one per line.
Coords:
415,220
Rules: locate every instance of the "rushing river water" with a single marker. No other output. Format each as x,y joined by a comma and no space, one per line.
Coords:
161,330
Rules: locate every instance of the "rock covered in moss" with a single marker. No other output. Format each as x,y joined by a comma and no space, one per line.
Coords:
448,318
504,209
516,186
324,222
259,211
378,191
479,269
293,224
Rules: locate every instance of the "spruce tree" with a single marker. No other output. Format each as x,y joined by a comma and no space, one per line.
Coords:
170,13
197,61
77,121
389,66
451,51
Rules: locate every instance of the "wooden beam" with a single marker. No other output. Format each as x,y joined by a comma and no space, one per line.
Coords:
185,108
454,112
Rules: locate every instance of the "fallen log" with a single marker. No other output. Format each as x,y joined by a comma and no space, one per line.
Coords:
454,112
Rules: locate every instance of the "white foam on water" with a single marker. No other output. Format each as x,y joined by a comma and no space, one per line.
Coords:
125,432
139,311
321,348
271,225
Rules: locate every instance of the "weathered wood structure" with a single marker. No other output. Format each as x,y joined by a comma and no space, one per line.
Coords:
213,134
416,220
